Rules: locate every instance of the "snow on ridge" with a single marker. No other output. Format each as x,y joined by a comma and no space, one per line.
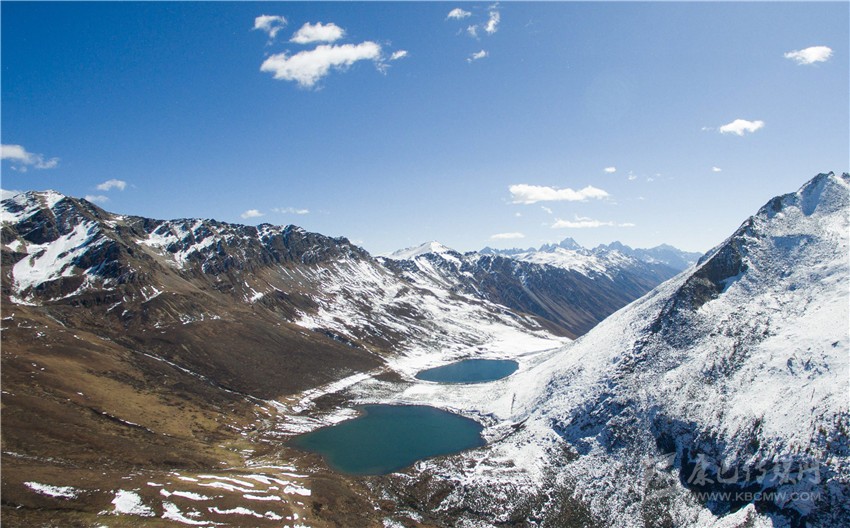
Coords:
569,259
422,249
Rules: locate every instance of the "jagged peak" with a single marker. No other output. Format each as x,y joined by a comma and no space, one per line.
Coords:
823,193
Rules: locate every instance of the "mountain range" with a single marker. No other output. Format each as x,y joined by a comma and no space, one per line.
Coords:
146,362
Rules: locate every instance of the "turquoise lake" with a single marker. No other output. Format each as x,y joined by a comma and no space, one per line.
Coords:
470,371
387,438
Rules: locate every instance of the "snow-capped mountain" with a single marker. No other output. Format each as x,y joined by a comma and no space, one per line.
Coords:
422,249
570,254
719,399
567,285
662,254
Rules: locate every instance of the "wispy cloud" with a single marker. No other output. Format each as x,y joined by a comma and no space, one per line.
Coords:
291,210
108,185
492,24
400,54
741,126
476,56
546,209
318,32
308,67
96,198
716,169
610,170
270,24
507,236
529,194
582,222
251,213
458,13
21,159
810,55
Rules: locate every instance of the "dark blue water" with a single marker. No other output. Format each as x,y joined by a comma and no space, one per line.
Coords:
387,438
470,371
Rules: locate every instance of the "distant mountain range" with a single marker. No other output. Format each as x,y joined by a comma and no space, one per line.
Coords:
568,250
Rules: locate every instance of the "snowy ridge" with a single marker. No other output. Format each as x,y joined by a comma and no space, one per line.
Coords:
580,260
422,249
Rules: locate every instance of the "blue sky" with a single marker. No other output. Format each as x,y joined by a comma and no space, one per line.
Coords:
506,125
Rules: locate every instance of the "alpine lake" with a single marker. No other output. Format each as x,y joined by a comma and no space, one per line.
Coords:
387,438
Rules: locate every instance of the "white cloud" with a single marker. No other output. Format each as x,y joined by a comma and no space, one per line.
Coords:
308,67
507,236
251,213
400,54
716,169
473,31
740,126
291,210
458,13
582,222
529,194
477,55
112,184
810,55
518,214
492,23
546,209
317,32
271,24
96,198
22,159
610,170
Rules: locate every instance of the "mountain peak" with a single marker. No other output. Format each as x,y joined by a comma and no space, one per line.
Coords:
422,249
567,243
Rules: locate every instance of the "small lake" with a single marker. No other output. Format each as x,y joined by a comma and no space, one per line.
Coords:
387,438
470,371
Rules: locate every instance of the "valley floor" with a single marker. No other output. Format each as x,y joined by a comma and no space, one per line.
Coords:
246,475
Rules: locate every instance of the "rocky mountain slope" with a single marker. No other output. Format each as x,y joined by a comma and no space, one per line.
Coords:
719,399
